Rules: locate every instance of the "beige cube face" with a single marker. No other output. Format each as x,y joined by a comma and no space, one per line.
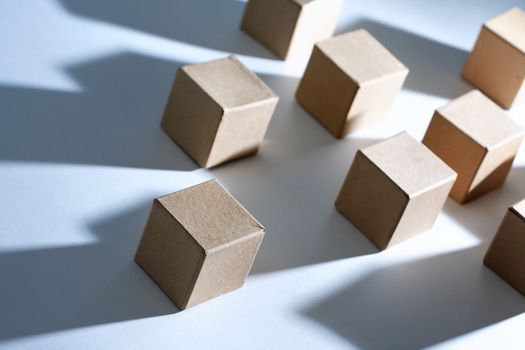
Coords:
191,118
394,190
350,82
199,243
326,92
496,65
370,201
291,27
169,255
240,133
505,255
225,270
476,139
218,111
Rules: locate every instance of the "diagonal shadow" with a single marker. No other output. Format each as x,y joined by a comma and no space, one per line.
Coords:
483,215
428,301
435,68
420,303
114,120
213,24
53,289
291,187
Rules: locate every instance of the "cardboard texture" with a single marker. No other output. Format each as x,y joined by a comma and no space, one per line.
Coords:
218,111
506,254
350,82
476,139
496,65
394,190
198,243
291,27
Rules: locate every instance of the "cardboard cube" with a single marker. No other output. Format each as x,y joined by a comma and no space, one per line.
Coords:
218,111
198,243
476,139
291,27
496,65
506,254
394,190
351,81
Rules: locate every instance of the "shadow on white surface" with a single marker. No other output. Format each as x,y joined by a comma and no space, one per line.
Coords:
482,216
291,188
114,120
212,24
420,303
61,288
429,301
435,68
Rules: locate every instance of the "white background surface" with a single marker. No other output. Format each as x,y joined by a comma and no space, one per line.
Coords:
82,89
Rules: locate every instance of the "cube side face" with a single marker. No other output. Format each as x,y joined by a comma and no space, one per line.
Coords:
421,213
272,23
225,270
373,102
169,255
494,169
459,152
371,201
317,21
326,92
191,118
496,68
505,255
241,133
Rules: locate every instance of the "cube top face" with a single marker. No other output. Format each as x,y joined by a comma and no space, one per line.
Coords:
409,164
519,209
481,119
211,215
360,56
229,83
510,26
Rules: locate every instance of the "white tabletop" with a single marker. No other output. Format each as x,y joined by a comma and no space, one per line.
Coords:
82,88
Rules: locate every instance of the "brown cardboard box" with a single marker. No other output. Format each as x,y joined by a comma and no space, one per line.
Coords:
476,139
218,111
198,243
351,81
496,65
506,254
291,27
394,190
